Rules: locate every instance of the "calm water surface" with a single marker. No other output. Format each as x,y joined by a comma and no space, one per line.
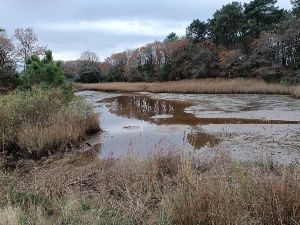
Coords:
143,123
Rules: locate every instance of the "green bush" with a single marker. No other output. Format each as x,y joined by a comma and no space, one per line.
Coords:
43,72
270,74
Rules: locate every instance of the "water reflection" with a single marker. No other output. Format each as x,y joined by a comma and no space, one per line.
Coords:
200,139
169,112
141,124
142,107
134,132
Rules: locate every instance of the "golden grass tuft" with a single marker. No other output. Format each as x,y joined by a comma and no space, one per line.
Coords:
10,216
200,86
61,130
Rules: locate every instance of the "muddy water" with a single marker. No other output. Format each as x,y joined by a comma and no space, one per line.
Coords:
249,127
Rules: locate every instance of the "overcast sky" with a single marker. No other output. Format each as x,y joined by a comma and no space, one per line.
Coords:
68,27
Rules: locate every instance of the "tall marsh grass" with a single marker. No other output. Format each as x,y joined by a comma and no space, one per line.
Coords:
162,189
40,121
200,86
296,92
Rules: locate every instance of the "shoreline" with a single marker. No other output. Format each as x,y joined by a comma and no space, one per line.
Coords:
199,86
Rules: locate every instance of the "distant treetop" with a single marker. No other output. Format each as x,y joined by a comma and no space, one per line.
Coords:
171,37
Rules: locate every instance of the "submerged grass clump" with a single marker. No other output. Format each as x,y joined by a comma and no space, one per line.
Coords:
39,121
164,188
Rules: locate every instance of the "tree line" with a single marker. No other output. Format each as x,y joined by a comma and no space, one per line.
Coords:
24,63
255,39
15,50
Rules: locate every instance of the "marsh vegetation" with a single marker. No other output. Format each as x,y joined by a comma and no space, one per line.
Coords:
40,122
169,188
183,124
199,86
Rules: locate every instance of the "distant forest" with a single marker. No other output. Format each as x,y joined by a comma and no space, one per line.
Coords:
256,39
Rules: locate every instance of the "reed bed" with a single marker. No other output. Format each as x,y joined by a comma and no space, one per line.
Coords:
38,122
164,188
200,86
296,92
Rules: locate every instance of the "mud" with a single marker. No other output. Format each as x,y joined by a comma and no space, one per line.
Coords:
241,125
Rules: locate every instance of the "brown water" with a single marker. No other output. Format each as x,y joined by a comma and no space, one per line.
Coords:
172,112
143,122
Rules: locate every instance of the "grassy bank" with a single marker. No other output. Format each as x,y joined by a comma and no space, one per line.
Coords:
162,189
42,121
202,86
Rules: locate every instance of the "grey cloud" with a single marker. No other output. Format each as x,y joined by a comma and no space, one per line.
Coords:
49,19
103,44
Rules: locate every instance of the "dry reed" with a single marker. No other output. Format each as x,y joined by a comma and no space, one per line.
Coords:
201,86
296,92
162,189
41,121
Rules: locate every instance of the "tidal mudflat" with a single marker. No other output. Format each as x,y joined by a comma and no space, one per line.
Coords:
246,127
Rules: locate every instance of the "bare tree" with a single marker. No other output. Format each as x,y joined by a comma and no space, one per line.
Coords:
7,52
89,57
27,44
70,69
89,67
114,66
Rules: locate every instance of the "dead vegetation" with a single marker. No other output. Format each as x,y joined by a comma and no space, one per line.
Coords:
164,188
37,122
201,86
296,92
